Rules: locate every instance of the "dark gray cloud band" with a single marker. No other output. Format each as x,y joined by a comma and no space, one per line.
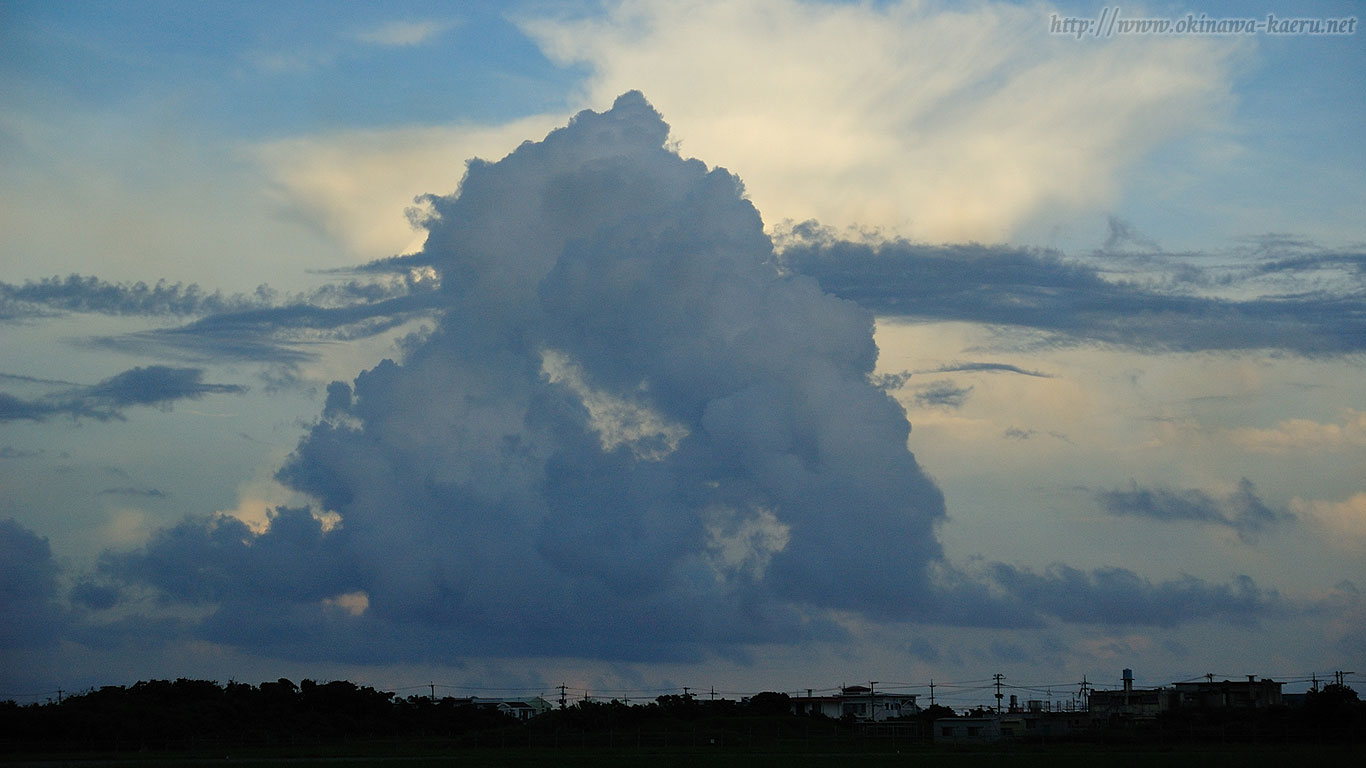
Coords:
1120,597
1071,301
1241,511
154,385
262,326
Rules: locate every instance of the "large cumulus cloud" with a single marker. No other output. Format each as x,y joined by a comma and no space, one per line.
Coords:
630,435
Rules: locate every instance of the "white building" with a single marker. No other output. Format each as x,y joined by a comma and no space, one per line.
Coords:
521,709
859,702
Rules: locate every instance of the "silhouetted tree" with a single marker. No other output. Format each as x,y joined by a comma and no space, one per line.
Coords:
770,703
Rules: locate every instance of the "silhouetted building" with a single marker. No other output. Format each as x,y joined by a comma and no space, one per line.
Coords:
1130,703
1230,694
859,702
521,709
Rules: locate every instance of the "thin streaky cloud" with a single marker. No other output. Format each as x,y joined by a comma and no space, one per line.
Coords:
144,493
37,380
154,385
986,368
404,33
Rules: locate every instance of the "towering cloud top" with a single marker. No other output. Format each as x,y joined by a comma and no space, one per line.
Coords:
629,436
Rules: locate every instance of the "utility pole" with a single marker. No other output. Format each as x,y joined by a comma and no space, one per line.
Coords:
562,699
432,685
998,677
713,693
1082,693
872,701
931,691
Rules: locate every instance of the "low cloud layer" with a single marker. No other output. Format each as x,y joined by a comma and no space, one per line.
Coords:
1242,510
154,385
1120,597
262,326
1287,295
1071,301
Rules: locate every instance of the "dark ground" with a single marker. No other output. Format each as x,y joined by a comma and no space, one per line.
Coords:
1059,756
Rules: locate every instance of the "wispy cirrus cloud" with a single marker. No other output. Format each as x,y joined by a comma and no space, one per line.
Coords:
940,123
982,367
137,493
404,33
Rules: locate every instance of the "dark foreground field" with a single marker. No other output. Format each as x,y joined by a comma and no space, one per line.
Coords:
1059,756
188,722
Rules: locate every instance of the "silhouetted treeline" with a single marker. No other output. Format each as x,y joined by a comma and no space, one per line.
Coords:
188,714
1333,714
160,715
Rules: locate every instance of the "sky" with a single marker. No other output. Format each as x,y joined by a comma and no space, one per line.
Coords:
742,346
